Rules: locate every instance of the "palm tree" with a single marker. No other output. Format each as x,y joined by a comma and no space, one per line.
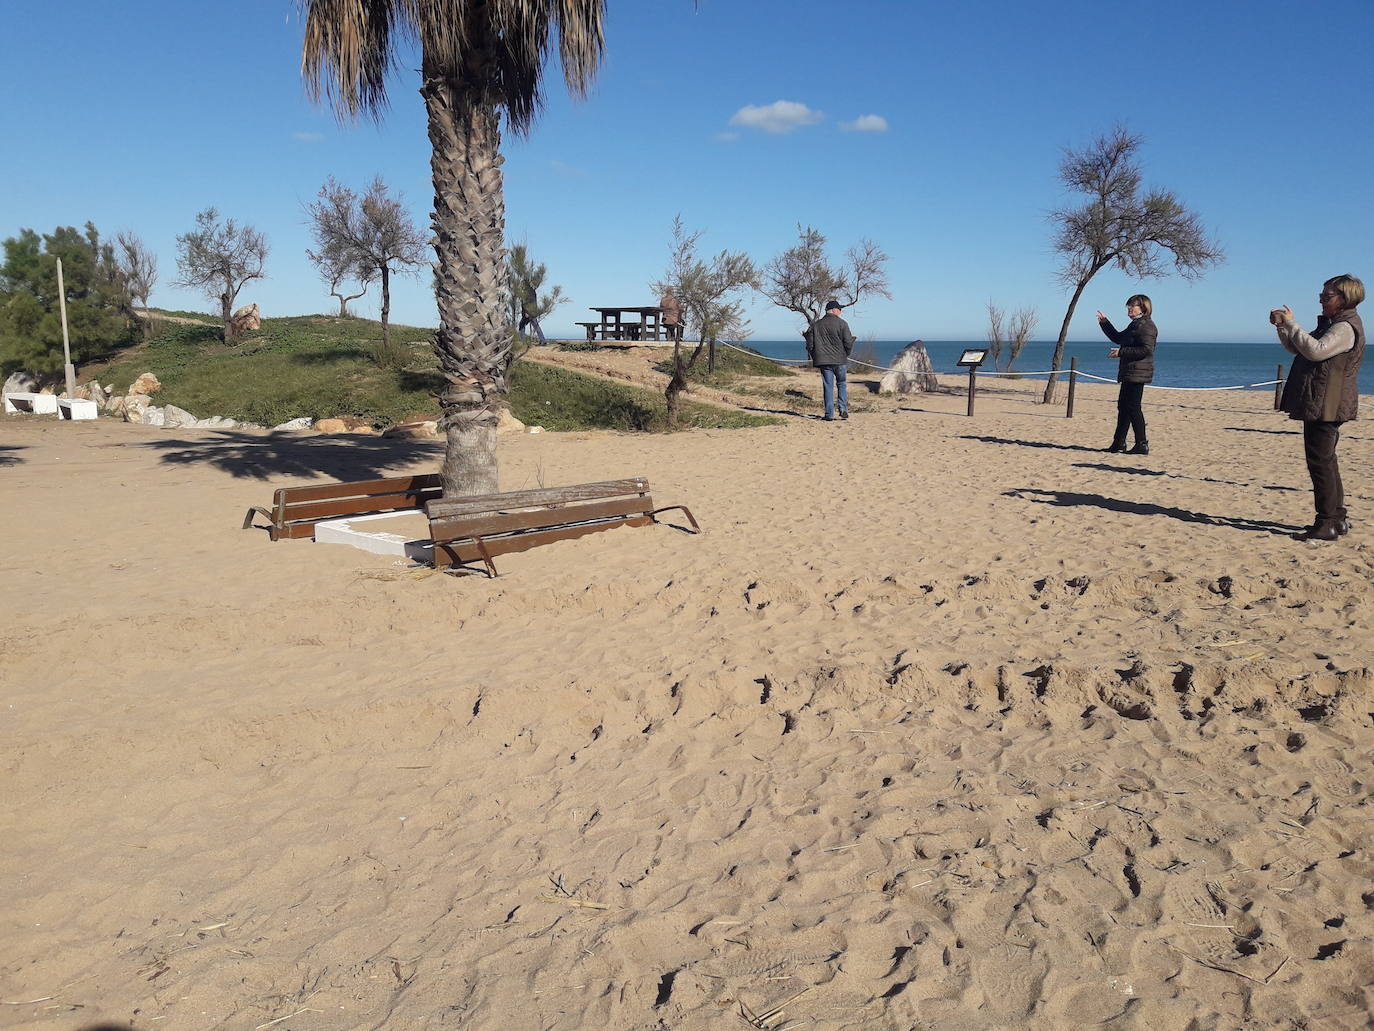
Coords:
477,59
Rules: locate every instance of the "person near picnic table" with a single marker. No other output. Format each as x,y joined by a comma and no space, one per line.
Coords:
671,313
828,345
1323,391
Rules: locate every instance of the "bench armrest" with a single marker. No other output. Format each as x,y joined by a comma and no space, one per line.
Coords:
684,510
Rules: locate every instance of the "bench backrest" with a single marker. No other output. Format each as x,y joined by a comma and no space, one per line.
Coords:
524,519
296,510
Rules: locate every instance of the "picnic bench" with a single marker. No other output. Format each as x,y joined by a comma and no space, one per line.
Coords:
296,510
466,529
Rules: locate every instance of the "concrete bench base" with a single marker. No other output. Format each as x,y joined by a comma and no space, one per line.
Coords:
77,408
374,533
32,404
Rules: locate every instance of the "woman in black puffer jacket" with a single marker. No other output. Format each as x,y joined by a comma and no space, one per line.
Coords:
1135,346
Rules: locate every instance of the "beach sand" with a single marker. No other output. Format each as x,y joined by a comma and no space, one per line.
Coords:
943,722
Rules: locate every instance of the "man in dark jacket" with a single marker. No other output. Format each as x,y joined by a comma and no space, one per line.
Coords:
828,344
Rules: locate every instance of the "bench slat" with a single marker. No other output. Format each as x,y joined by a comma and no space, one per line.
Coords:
449,507
488,525
314,511
362,488
447,554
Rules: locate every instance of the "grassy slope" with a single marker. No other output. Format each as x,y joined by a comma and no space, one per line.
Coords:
321,366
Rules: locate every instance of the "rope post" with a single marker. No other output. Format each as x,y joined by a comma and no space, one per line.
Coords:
1278,388
1073,382
972,386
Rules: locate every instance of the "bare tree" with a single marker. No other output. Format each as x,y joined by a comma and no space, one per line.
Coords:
709,293
528,306
801,278
1019,329
374,233
997,333
138,271
1118,226
219,258
336,268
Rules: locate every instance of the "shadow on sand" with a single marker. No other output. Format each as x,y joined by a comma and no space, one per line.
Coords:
1072,499
1134,471
9,459
1034,443
263,457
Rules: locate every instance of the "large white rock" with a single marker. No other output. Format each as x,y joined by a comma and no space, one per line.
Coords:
135,407
154,416
303,423
911,372
145,384
216,422
247,318
509,423
20,383
172,416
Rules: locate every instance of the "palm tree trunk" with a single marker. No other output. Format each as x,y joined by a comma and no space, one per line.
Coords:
1058,359
473,342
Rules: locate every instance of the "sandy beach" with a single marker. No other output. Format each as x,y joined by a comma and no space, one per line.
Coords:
943,723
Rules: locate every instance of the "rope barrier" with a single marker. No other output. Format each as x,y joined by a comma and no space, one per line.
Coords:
1008,374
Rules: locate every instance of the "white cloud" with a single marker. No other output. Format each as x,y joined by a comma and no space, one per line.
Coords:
308,137
778,117
866,123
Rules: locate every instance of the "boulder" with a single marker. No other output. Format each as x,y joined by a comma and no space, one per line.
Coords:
20,383
330,426
134,407
303,423
216,422
96,393
509,423
172,416
911,372
145,384
154,416
246,318
424,429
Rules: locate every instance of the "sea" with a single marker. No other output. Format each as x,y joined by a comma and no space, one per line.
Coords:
1177,364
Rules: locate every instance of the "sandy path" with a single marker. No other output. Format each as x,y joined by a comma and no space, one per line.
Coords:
953,723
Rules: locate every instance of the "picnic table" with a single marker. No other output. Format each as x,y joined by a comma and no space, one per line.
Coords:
634,322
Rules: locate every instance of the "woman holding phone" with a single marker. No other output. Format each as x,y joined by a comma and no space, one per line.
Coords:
1135,347
1323,390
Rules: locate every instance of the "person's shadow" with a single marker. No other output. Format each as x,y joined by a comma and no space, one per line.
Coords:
1073,499
10,459
1031,443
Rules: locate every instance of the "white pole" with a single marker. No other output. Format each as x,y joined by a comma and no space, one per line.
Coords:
66,344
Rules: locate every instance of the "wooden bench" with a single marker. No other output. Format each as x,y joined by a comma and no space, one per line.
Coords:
296,510
471,528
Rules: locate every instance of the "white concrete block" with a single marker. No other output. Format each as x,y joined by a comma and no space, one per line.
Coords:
77,408
34,404
387,533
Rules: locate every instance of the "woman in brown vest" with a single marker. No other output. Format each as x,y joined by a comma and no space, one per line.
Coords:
1323,391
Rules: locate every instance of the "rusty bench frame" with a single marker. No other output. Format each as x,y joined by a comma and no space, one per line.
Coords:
296,510
465,529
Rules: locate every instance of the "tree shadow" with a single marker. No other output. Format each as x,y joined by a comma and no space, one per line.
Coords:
266,456
330,356
1033,443
1073,499
1133,471
8,459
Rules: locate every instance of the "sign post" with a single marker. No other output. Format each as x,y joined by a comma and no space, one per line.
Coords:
971,359
66,344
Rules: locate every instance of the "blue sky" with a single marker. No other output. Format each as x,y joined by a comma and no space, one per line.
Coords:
935,129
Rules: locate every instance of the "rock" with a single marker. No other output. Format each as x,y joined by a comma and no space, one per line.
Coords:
145,384
246,318
172,416
911,372
303,423
534,429
97,393
509,423
154,416
134,407
216,422
424,429
20,383
329,426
